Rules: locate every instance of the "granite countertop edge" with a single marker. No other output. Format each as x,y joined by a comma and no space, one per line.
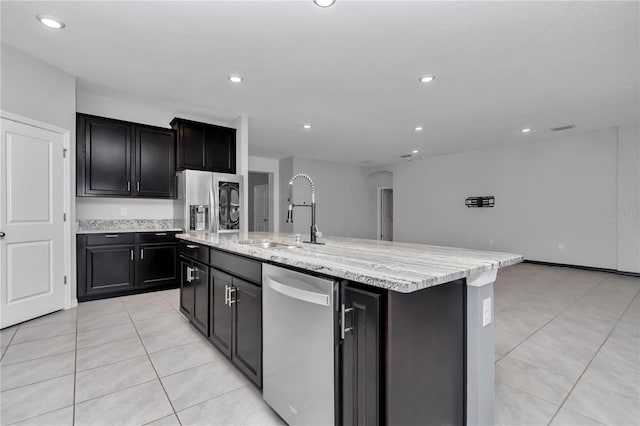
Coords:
126,230
399,275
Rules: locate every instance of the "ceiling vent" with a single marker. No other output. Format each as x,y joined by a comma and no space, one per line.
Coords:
561,128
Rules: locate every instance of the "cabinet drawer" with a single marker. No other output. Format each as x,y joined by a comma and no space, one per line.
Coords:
157,237
195,251
112,238
237,265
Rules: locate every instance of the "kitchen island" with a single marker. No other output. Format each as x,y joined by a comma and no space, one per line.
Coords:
426,356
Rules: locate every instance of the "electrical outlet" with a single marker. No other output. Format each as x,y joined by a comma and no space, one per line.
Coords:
490,240
560,246
486,312
123,211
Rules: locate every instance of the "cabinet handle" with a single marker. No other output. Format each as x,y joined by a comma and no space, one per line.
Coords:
343,313
112,236
189,274
138,186
226,295
232,291
132,254
141,254
192,246
129,185
161,233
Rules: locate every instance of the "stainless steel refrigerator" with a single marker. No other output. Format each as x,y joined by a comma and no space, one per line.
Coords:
209,202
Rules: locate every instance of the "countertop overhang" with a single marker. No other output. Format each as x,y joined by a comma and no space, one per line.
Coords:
401,267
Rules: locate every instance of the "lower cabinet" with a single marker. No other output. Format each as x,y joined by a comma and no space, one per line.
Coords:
109,269
361,363
194,293
221,313
246,352
119,264
236,322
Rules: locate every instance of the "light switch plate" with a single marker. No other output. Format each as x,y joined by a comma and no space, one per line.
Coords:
486,312
123,211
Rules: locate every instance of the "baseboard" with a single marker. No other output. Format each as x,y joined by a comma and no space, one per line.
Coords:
586,268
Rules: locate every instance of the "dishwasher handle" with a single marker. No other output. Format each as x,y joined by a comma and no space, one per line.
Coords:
297,293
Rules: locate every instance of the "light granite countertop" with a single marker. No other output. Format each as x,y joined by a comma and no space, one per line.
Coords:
401,267
120,226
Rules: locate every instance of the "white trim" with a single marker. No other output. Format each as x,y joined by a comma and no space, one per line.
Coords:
379,211
70,299
482,279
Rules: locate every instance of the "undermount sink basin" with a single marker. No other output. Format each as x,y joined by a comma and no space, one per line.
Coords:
268,244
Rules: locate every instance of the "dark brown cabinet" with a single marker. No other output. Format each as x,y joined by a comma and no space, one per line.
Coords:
202,146
103,157
186,287
118,264
155,163
361,348
109,269
221,314
157,264
246,301
194,293
121,159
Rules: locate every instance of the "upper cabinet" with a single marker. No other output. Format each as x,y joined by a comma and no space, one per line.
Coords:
121,159
202,146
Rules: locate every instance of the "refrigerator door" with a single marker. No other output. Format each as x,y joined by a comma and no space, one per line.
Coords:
198,192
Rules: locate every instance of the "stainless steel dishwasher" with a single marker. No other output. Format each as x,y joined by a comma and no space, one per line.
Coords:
298,312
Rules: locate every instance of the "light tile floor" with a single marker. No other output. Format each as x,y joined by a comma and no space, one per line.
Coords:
567,353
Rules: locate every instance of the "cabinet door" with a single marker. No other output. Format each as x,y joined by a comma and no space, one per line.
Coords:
220,316
186,287
200,316
155,163
220,149
157,265
106,150
246,300
191,147
109,269
361,358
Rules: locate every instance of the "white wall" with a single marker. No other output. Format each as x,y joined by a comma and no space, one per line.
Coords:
39,91
109,208
345,201
628,208
272,167
552,199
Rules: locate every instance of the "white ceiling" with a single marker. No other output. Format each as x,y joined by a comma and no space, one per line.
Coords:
352,70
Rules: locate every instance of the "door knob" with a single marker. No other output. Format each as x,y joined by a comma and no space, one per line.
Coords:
2,234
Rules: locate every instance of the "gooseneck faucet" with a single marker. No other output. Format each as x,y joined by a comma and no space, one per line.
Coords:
314,228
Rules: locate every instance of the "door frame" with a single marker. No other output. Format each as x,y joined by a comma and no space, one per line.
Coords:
268,206
379,211
70,298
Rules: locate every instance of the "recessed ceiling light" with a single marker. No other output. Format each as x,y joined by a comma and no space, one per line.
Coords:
235,79
50,22
526,130
324,3
419,129
415,151
307,126
427,78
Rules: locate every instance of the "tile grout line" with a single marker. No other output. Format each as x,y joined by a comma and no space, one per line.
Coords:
175,413
594,356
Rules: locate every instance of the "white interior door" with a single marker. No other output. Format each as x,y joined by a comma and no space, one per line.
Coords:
261,208
31,223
